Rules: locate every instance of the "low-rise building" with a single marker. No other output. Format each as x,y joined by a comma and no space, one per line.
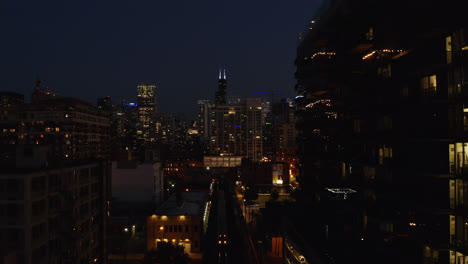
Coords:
181,220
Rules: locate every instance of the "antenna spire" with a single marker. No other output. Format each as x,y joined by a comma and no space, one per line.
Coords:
220,73
224,74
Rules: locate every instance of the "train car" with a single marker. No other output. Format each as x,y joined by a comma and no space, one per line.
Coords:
222,228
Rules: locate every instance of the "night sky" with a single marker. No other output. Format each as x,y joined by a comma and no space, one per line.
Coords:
90,49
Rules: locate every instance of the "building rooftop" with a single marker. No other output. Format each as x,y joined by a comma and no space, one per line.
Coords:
193,204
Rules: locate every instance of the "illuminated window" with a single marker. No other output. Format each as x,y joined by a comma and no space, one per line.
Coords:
370,34
448,48
452,257
385,153
452,229
458,157
452,193
429,85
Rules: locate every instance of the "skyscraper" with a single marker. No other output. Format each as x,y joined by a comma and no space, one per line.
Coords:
237,129
220,96
204,108
147,110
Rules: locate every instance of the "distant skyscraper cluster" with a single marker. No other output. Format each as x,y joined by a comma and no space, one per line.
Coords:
60,155
236,127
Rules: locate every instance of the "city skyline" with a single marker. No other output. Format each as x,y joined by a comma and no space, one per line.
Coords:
362,156
92,50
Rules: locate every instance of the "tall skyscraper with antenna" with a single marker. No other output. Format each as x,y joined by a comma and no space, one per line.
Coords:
220,95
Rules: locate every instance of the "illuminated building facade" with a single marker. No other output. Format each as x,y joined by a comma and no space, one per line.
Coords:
222,161
181,220
75,129
147,109
237,129
165,128
371,93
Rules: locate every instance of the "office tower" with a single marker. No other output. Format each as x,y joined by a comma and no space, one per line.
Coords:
147,109
237,129
204,117
370,94
284,128
127,125
283,111
54,181
220,95
165,128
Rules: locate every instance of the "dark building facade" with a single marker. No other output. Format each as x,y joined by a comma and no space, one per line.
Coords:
54,189
381,103
220,96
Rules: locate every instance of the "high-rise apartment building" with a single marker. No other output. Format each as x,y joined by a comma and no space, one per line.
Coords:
237,129
382,114
147,109
73,128
54,181
204,118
